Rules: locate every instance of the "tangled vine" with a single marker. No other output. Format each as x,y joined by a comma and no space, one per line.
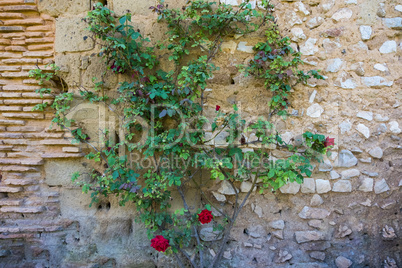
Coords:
168,106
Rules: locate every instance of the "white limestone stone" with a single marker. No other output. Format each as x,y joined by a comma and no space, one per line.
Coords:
244,48
323,186
376,81
334,65
394,127
376,152
342,14
309,47
381,67
367,185
297,34
315,110
315,22
342,186
365,115
388,47
290,188
366,32
349,173
363,130
381,186
308,186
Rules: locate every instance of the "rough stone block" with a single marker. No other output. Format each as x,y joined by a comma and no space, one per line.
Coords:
308,236
313,213
70,35
290,188
56,8
95,69
60,172
308,186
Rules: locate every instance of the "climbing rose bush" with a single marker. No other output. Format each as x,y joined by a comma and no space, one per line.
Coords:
160,243
164,115
205,216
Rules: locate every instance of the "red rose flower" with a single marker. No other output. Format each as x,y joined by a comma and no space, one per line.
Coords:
160,243
205,216
218,107
329,142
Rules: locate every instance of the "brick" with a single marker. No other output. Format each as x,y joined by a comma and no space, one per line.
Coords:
10,202
31,162
22,102
23,35
11,136
16,48
10,108
42,67
17,236
11,2
56,142
44,28
47,17
6,147
28,109
19,61
22,209
25,129
40,47
11,122
17,42
43,54
20,87
43,135
21,182
10,55
30,81
19,8
10,95
17,142
4,82
18,169
54,229
5,189
10,68
11,15
24,22
12,29
2,48
19,74
5,161
37,95
20,154
40,40
2,129
71,149
9,230
24,115
5,41
61,155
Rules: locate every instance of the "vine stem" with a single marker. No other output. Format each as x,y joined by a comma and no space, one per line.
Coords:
197,237
227,231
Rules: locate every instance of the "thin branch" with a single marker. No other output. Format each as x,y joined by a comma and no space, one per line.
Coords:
186,207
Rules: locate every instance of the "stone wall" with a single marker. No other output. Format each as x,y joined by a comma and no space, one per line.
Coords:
347,213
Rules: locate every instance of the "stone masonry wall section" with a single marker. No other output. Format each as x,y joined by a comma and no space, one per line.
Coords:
347,215
29,210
